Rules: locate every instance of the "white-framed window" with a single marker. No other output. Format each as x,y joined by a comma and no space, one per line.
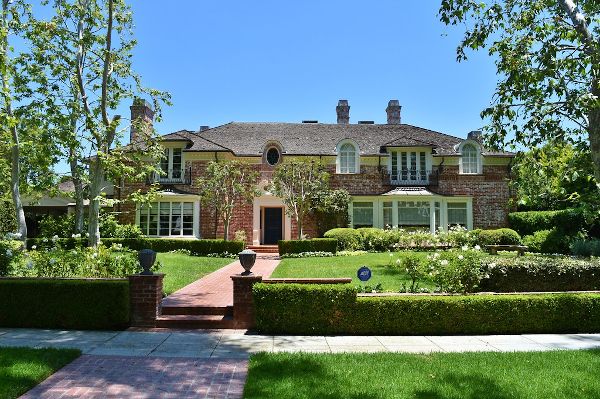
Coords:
470,162
414,213
362,214
410,167
457,214
348,157
167,219
172,164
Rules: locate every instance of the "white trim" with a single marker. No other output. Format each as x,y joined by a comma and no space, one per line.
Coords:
268,201
338,160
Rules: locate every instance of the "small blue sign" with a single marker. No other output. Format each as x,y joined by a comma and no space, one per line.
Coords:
364,273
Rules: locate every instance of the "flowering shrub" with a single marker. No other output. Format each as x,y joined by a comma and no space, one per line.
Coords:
414,267
78,262
10,252
456,270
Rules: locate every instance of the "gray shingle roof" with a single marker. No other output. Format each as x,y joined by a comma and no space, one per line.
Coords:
249,139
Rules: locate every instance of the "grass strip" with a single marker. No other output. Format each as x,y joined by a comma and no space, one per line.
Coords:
181,270
490,375
23,368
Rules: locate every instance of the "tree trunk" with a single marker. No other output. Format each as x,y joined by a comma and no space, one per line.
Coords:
15,169
299,222
97,176
225,229
594,134
79,197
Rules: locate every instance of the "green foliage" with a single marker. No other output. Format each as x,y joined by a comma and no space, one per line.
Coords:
10,253
8,220
456,270
569,221
553,177
586,247
540,274
374,239
298,182
552,241
331,210
314,245
65,304
225,185
348,239
328,310
64,225
414,266
499,237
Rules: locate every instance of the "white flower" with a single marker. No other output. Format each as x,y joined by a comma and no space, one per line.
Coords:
95,254
398,261
391,254
465,248
45,240
33,247
74,252
436,255
52,261
460,256
76,235
54,238
8,252
444,262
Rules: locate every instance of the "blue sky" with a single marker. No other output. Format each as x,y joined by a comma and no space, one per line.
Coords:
286,61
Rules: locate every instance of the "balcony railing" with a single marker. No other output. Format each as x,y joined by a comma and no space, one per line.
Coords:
411,177
172,177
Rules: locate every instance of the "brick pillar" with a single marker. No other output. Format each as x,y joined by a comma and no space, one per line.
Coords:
145,292
243,306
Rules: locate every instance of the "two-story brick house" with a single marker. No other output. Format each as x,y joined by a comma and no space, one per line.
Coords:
398,176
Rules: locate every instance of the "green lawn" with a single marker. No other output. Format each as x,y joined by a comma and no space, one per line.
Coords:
490,375
181,269
23,368
382,265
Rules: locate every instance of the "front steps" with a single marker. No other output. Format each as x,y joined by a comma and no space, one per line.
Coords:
196,317
264,249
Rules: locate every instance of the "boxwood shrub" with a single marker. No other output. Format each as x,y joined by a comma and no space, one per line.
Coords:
499,237
568,221
540,274
348,239
86,304
326,310
313,245
196,247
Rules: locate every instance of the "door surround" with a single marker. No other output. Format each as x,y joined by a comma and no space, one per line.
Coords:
268,201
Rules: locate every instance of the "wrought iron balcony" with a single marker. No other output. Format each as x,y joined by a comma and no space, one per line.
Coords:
410,177
172,177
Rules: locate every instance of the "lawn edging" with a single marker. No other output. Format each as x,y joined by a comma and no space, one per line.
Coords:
337,309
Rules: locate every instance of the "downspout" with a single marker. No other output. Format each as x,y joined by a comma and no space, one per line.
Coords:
216,215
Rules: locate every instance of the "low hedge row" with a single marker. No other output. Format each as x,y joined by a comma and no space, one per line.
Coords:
313,245
197,247
64,303
568,221
326,310
541,274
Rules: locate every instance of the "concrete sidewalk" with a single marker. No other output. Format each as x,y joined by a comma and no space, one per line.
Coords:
166,364
225,344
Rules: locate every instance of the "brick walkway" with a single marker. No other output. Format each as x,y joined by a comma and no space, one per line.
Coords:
216,289
113,377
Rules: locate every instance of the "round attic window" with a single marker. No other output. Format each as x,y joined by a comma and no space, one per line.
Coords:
272,156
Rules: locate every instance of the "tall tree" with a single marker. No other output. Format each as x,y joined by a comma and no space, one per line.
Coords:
548,62
299,182
89,46
225,185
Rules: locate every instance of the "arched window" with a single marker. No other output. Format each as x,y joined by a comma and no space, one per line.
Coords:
470,159
347,161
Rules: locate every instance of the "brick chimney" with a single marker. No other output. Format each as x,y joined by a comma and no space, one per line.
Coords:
142,119
393,112
343,112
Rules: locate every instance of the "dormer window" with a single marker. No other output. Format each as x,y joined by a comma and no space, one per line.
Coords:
470,161
348,158
272,156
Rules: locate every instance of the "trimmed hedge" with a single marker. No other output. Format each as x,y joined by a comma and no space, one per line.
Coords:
499,237
313,245
568,221
541,274
335,309
64,303
348,239
196,247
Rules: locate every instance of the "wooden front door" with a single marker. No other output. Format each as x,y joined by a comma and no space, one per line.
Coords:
273,224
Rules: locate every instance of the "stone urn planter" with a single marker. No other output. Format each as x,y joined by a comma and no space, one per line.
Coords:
247,259
147,257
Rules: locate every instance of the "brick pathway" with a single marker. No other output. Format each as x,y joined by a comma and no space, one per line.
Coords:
93,376
216,289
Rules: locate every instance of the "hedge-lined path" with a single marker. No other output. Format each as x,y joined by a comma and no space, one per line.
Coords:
216,289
